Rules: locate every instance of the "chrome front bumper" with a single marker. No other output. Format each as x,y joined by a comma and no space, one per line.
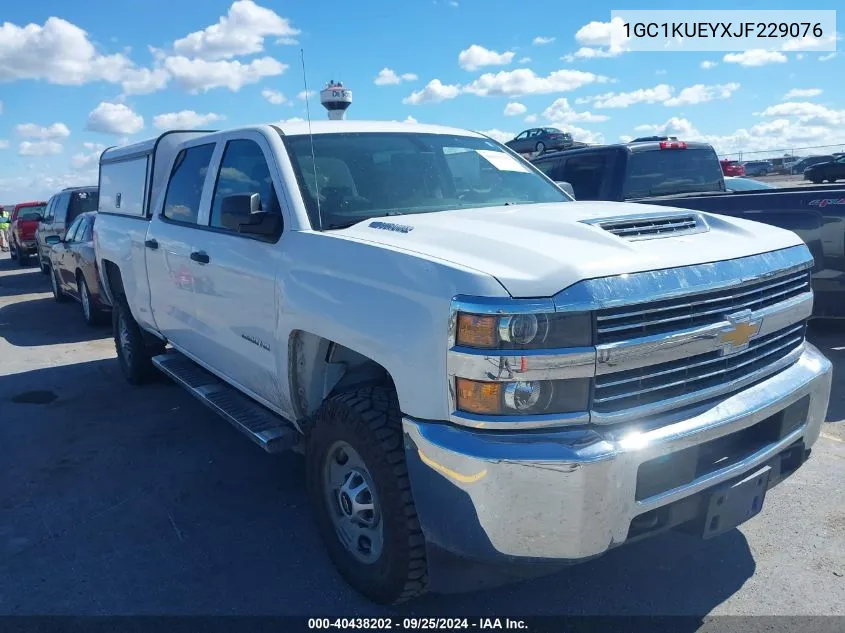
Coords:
571,494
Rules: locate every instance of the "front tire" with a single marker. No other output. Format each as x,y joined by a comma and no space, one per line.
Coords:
540,148
58,293
360,494
90,311
134,355
13,252
45,269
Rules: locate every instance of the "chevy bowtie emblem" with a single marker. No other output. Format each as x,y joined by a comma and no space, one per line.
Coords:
739,333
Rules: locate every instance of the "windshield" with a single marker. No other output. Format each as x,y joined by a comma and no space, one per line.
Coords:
31,213
671,171
376,174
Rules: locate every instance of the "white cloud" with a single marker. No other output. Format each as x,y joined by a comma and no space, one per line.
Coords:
809,42
514,108
755,57
531,118
658,94
4,144
540,40
58,52
143,81
434,92
295,119
388,77
497,135
410,119
88,159
39,148
302,95
585,136
199,75
274,96
707,64
50,133
701,93
524,60
827,58
600,39
673,127
184,120
524,81
476,57
454,3
802,93
660,72
114,118
807,113
240,32
561,112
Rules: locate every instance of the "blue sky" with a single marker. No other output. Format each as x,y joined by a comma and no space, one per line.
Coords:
78,76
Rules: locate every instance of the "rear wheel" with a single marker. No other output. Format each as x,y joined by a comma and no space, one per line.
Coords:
360,493
134,353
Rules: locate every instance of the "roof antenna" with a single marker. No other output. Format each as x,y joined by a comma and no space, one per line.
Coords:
311,138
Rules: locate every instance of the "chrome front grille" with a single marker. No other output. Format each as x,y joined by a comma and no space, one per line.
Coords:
687,311
700,374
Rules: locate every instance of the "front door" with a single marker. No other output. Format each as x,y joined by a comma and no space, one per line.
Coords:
63,256
235,292
170,246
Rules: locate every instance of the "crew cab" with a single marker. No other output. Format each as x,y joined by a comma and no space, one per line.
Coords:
687,175
473,364
23,223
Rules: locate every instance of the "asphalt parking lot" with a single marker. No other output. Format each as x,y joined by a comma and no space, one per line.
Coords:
122,500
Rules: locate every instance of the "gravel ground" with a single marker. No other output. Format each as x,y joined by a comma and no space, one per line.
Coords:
121,500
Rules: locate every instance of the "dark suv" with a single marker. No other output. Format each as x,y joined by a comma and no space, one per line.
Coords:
62,209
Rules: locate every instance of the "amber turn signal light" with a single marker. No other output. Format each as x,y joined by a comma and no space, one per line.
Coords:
474,396
477,331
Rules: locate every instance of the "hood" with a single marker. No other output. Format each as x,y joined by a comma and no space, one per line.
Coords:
538,250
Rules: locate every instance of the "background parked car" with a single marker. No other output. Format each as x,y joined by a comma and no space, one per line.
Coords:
758,168
539,140
73,268
830,171
24,221
732,168
809,161
733,183
62,209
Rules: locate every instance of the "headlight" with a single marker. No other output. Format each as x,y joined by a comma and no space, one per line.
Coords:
525,331
522,397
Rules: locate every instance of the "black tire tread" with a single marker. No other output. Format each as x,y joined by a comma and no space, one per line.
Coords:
373,415
142,370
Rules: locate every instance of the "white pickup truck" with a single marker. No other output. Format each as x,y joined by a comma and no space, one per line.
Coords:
473,363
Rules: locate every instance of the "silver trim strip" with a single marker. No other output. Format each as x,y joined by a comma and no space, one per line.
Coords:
503,365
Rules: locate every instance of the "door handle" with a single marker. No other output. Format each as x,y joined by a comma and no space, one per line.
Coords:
152,244
200,256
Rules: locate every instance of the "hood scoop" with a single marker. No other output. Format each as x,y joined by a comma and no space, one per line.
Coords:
652,226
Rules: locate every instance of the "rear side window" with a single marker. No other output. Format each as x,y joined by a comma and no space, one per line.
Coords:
585,172
184,190
243,170
81,202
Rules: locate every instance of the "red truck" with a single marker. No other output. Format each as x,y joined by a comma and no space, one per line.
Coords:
23,222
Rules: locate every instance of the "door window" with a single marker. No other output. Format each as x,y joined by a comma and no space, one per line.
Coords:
73,230
547,167
182,200
243,170
88,234
51,206
522,136
585,173
60,208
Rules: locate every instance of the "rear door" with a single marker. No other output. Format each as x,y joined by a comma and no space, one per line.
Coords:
173,260
235,291
63,258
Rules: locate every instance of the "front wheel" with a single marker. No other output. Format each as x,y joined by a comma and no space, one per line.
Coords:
134,355
44,268
360,494
541,147
13,252
90,311
58,293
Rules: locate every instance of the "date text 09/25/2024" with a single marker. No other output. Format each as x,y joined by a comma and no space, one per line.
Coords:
417,624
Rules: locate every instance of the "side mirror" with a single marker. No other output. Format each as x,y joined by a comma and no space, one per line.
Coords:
241,212
38,217
565,186
52,240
